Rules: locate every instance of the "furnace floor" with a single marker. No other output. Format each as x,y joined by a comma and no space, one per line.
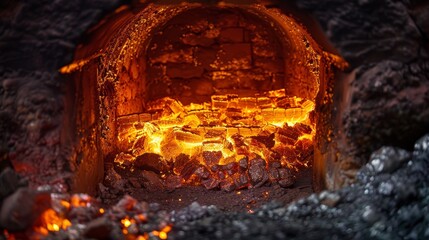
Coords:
236,201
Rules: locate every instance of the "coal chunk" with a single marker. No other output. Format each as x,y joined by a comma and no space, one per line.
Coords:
22,208
257,172
9,182
152,181
287,179
211,183
99,228
150,162
227,185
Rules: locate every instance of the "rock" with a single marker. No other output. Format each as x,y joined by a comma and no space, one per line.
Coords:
230,168
241,180
329,199
370,214
212,157
211,183
387,159
172,182
273,174
227,185
286,178
150,162
421,147
202,172
268,141
257,172
99,228
243,163
9,182
135,183
22,208
189,169
152,181
288,182
127,203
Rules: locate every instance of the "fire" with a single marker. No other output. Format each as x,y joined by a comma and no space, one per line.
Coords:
226,129
133,224
50,221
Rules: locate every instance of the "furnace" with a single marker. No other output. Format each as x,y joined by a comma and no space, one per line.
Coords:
223,96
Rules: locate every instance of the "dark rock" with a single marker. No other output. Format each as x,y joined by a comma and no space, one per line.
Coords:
369,32
211,183
221,175
99,228
303,128
127,203
22,208
180,162
370,214
387,159
9,182
227,185
152,181
150,162
268,141
241,180
202,172
257,172
172,182
189,169
289,132
243,163
230,168
287,182
212,157
273,174
329,199
287,179
421,147
135,183
275,164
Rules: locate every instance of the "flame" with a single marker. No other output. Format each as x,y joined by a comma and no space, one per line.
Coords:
227,124
50,221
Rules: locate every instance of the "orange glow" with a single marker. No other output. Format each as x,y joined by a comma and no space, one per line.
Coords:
79,200
101,210
126,222
141,218
229,124
163,235
50,221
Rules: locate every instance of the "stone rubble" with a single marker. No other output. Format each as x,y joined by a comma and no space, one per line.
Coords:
380,205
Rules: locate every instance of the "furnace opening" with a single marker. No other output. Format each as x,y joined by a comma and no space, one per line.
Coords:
225,97
216,112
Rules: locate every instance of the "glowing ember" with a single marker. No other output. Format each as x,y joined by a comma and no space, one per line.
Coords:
80,215
221,132
50,221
